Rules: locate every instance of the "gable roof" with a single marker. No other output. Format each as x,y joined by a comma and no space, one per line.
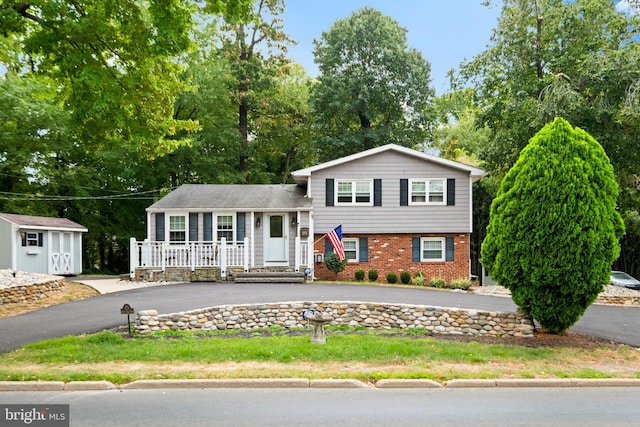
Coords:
302,175
234,197
43,222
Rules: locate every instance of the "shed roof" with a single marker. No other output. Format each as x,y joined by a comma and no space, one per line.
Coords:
43,222
235,197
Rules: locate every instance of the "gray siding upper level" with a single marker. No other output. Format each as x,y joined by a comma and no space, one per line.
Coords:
391,217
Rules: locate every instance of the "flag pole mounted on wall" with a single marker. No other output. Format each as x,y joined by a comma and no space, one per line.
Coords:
335,237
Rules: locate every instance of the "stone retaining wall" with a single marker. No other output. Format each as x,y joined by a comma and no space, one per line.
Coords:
618,300
437,320
34,292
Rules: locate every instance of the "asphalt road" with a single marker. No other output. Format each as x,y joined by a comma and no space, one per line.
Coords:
620,324
477,407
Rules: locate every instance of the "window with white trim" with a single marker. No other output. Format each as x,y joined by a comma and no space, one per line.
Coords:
351,249
177,228
432,249
354,192
225,227
427,191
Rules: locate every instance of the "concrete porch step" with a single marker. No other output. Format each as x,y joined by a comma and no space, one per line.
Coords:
269,277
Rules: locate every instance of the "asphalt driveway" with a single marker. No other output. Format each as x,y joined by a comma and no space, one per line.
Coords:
621,324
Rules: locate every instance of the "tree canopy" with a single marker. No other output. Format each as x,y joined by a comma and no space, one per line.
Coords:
554,229
372,88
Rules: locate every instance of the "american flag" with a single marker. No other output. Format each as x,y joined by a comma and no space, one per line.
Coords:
335,237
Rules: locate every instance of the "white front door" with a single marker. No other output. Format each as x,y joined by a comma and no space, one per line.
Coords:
275,251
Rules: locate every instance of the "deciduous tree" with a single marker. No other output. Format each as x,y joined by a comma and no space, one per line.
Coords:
372,88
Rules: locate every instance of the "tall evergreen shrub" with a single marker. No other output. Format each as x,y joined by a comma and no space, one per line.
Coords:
553,230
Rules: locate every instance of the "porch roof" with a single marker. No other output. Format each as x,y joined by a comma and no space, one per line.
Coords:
235,197
43,222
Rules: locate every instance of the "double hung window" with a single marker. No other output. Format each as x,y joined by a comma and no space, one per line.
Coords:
354,192
427,191
177,228
225,227
432,249
350,249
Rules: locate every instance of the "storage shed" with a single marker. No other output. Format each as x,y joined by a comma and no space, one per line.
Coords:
38,244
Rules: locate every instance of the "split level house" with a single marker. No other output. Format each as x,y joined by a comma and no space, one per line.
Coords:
400,210
38,244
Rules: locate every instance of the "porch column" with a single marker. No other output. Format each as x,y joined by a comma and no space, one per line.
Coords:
297,257
245,258
133,257
163,256
223,257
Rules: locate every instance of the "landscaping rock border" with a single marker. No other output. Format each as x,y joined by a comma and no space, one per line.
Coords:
436,320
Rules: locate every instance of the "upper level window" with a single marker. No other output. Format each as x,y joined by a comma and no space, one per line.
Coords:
177,228
225,227
427,191
353,192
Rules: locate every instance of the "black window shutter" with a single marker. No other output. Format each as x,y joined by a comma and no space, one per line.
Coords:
404,192
363,248
377,192
451,192
415,249
328,249
160,227
207,225
40,239
329,192
242,226
193,226
24,238
449,249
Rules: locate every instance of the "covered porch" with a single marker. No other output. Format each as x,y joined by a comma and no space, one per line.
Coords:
224,258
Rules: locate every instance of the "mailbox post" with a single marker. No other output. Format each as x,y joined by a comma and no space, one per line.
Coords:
128,310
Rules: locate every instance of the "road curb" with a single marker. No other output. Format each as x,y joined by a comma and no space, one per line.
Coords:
6,386
225,383
400,383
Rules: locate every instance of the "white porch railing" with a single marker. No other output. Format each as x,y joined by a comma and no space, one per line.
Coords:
222,254
192,255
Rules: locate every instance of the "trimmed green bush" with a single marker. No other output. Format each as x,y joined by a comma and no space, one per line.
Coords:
392,278
463,284
419,279
359,275
334,264
373,275
438,282
405,277
553,229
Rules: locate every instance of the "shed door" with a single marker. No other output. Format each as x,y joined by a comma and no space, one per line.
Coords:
276,240
61,253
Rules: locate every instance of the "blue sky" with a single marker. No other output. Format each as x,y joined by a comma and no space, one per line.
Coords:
446,32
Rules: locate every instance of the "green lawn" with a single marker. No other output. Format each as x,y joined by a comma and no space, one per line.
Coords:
364,355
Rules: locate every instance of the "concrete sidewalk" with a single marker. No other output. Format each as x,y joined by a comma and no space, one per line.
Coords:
111,284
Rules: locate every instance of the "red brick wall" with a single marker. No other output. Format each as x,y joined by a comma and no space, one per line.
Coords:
392,253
